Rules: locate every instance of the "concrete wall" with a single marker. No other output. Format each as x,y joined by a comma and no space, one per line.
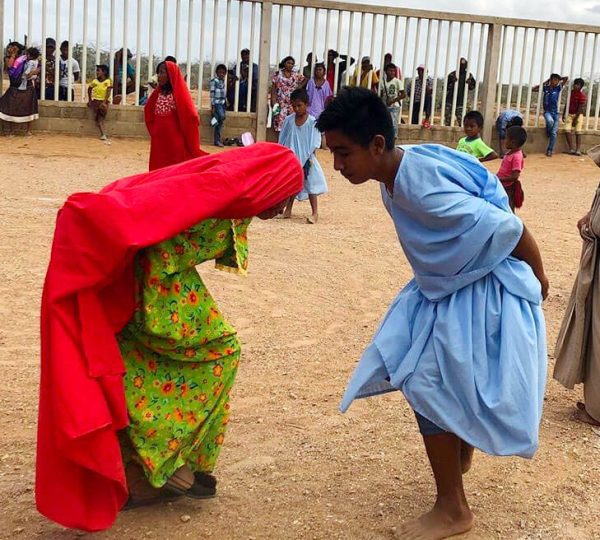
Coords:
124,121
128,121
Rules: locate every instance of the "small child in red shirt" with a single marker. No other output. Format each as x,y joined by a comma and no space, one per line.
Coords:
512,165
574,119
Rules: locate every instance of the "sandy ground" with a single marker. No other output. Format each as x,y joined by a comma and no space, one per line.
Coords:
292,465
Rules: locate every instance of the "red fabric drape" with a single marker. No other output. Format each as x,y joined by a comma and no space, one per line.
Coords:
175,137
89,296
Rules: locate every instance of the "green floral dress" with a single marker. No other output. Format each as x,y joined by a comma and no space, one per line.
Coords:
180,354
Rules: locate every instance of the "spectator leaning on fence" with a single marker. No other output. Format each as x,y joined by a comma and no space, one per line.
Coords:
506,119
98,97
575,116
463,79
391,91
417,87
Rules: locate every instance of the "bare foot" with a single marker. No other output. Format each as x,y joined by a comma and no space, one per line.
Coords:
581,415
466,456
437,524
286,215
312,219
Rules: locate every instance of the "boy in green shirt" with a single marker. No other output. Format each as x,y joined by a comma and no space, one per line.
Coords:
472,143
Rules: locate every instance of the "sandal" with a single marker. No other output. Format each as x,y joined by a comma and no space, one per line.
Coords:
181,482
141,492
204,487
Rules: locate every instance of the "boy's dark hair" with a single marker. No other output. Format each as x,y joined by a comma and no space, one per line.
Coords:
391,65
170,59
516,121
65,43
475,116
104,68
221,67
360,115
517,134
300,94
579,81
34,52
555,76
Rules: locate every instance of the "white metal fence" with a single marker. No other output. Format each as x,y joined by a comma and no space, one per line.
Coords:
204,33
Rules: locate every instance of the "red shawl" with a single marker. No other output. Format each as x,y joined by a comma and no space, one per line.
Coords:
174,137
89,296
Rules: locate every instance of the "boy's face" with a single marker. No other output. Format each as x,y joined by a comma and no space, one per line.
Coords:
390,73
100,74
299,107
221,73
64,51
471,128
356,163
554,81
577,86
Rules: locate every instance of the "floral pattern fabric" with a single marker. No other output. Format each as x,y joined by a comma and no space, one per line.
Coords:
165,104
180,353
284,86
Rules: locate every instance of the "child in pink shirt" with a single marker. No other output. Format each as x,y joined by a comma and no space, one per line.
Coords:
512,165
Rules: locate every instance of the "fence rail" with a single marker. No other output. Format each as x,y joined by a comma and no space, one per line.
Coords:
507,58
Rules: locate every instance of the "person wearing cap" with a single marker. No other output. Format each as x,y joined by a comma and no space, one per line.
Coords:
463,79
578,346
368,77
418,97
49,58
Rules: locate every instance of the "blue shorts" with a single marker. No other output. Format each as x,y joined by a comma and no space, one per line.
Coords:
427,427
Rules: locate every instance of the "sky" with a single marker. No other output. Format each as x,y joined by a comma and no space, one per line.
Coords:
575,11
562,54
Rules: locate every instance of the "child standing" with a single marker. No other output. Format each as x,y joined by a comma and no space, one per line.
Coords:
574,120
512,165
465,339
472,143
391,91
552,89
218,101
99,92
301,136
319,91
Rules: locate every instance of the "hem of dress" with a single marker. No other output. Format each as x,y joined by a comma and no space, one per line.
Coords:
231,270
19,119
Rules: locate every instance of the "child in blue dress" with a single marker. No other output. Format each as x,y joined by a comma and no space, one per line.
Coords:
303,138
465,339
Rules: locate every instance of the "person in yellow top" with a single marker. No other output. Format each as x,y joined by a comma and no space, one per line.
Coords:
99,92
368,76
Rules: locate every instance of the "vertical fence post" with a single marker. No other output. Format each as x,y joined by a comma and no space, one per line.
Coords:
490,76
264,62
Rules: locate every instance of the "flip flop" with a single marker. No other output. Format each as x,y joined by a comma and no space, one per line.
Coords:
181,482
161,497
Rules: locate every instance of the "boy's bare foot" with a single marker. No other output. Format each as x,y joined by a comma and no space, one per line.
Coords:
466,456
287,214
437,524
581,415
312,219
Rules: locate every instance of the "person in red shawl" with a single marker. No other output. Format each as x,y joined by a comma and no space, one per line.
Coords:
136,359
172,120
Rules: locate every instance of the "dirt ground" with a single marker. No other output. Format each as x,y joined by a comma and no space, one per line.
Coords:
292,465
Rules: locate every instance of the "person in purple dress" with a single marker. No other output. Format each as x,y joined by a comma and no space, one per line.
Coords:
319,91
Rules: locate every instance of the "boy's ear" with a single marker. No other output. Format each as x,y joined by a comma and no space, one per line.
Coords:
378,145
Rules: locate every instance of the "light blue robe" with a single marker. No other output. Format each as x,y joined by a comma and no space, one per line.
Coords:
465,339
303,141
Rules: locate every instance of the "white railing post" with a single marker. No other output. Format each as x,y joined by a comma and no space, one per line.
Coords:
264,63
202,25
43,50
490,76
138,51
83,72
57,53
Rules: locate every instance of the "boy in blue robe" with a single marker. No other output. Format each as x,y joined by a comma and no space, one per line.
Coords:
465,339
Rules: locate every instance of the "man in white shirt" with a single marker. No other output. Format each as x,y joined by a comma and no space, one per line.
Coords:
64,62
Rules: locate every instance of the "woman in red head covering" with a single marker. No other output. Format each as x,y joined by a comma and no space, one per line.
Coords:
137,359
172,120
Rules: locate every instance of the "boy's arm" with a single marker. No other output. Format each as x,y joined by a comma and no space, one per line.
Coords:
489,157
514,175
90,92
108,93
528,251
